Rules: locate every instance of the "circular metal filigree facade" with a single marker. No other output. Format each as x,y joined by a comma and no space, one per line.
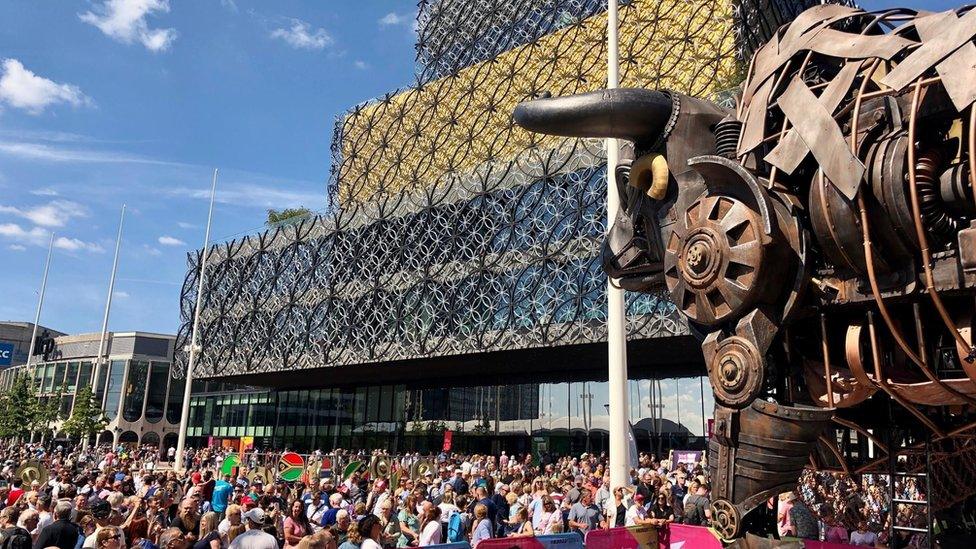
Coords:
450,230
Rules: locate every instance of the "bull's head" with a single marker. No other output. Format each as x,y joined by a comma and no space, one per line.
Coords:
653,173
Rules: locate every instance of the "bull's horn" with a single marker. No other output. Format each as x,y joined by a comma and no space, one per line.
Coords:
635,114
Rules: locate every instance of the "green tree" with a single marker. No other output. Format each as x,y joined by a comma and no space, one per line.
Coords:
19,408
49,412
287,215
87,418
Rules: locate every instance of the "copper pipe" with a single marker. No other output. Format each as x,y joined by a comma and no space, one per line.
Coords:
920,336
738,108
953,433
923,240
834,450
880,93
883,383
866,230
851,425
972,149
779,80
826,359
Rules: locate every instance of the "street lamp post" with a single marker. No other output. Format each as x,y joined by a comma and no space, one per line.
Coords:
616,318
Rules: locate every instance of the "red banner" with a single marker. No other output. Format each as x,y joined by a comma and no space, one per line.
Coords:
682,535
448,437
631,537
554,541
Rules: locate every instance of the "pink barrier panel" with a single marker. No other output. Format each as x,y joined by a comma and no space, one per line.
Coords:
633,537
807,544
556,541
687,537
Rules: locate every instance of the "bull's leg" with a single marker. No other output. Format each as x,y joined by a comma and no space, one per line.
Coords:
759,447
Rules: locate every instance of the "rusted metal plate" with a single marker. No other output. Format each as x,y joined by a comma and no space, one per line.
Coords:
823,137
958,71
753,131
950,38
848,391
928,393
967,248
856,46
791,150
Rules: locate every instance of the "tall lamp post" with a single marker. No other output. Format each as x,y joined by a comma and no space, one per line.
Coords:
185,411
616,319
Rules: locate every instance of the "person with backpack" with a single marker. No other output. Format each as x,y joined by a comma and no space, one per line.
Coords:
697,511
11,535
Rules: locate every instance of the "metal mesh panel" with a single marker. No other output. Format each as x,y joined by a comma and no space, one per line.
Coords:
450,230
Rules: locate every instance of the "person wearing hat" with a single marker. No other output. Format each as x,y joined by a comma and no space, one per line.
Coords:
637,513
254,537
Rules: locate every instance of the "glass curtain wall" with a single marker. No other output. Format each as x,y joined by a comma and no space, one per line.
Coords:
174,402
562,418
135,390
156,392
114,391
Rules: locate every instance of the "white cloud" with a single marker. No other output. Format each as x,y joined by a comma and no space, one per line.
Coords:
185,225
301,35
53,214
253,195
38,151
16,247
125,21
230,5
22,89
167,240
36,236
392,19
361,65
155,252
74,245
119,294
47,191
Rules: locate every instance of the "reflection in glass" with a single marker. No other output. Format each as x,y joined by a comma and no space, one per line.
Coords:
71,377
156,397
114,391
174,402
135,390
84,375
59,369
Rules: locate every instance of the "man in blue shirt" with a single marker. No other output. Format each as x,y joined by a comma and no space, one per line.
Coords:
221,495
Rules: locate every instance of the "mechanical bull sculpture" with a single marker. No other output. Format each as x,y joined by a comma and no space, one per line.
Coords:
819,238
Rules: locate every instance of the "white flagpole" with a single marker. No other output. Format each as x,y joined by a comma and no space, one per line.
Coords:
99,358
616,319
40,300
185,412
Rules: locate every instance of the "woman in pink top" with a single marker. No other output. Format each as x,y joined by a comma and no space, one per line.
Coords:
296,525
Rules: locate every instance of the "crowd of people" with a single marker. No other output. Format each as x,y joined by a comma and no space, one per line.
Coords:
113,498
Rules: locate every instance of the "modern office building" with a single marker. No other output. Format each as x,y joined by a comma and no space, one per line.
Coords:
141,400
15,338
454,282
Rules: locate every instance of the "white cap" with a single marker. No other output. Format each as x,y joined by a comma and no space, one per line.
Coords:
255,515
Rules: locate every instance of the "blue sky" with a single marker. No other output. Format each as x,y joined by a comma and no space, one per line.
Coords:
136,101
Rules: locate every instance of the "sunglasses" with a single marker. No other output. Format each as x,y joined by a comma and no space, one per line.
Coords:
116,536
